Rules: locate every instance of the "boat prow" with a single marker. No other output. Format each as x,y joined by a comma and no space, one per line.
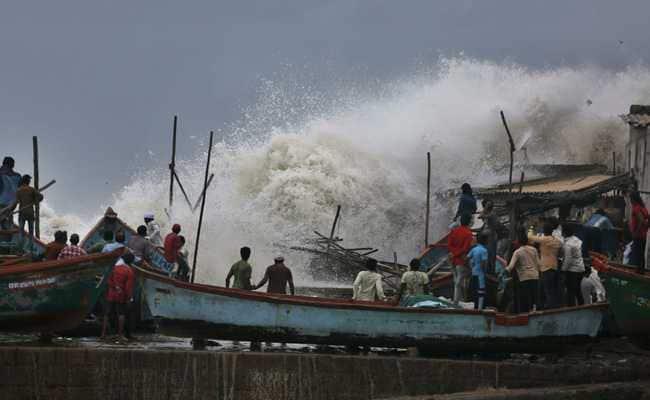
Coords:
52,296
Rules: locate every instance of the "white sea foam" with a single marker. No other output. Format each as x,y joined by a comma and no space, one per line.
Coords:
297,154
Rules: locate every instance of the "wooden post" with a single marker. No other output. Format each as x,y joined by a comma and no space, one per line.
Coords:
613,163
180,185
336,220
172,166
198,232
512,149
37,207
521,182
426,218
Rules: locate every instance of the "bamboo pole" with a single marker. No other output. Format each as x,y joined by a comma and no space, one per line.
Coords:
198,232
512,149
180,185
613,163
521,182
172,167
37,208
198,201
426,219
331,238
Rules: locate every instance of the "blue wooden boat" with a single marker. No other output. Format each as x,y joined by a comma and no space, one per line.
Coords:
52,296
203,311
114,224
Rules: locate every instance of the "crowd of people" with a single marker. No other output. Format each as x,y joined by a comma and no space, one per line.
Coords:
542,268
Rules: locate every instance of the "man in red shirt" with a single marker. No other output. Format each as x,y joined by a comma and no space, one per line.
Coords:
639,230
459,243
119,293
173,245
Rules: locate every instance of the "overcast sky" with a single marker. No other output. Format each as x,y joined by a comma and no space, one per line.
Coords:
99,82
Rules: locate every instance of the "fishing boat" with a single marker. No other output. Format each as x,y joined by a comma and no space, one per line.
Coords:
110,222
628,293
202,311
14,250
51,296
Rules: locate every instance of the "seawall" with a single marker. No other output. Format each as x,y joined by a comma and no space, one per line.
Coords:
74,373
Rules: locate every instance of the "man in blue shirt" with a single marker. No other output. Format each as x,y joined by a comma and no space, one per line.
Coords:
478,259
467,201
9,181
600,220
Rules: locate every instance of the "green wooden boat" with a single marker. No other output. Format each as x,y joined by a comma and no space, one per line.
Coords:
628,294
52,296
14,250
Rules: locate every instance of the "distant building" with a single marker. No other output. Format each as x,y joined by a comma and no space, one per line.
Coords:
636,149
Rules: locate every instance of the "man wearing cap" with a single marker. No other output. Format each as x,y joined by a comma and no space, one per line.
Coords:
153,230
9,181
277,275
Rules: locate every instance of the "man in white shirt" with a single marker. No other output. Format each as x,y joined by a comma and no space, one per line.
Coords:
153,230
368,285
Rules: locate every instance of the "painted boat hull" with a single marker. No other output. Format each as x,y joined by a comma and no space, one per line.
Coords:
201,311
51,296
11,248
628,294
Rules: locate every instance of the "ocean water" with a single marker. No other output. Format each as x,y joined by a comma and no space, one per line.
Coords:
298,152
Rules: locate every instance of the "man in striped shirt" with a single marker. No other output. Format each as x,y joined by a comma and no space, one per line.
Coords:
73,249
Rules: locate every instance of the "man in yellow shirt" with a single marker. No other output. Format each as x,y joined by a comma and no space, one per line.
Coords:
549,248
26,198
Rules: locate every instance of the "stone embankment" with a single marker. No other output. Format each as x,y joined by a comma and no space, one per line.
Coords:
74,373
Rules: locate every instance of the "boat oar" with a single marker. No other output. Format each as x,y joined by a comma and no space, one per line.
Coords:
8,208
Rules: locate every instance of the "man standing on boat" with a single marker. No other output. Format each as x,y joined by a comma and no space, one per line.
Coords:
241,271
368,286
278,276
491,226
478,260
639,230
466,203
9,181
526,261
153,230
140,246
53,249
120,238
549,248
459,243
72,250
414,282
26,198
173,245
573,266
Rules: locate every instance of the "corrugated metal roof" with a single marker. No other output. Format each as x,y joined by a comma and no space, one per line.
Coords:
564,185
636,120
571,183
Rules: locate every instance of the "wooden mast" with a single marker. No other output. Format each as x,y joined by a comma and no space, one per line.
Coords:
172,167
205,183
37,207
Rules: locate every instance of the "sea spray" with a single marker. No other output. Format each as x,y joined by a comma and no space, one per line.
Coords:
281,171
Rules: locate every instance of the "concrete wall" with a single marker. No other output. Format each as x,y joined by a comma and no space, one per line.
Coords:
60,373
